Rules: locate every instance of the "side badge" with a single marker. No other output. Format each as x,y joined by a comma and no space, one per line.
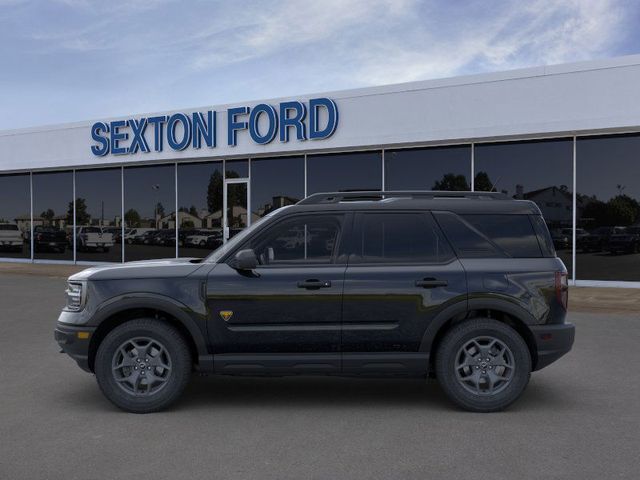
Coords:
226,315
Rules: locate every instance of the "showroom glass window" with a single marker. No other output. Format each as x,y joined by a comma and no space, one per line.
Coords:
53,215
608,208
344,171
275,183
149,204
98,215
434,168
540,171
200,187
15,216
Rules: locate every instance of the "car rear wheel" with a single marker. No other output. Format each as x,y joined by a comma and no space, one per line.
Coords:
483,365
143,365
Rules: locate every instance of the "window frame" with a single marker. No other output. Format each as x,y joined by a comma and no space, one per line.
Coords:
355,260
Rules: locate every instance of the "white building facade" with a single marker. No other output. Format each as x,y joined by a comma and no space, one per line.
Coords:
565,136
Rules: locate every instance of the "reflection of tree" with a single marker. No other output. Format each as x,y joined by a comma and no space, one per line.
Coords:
620,210
82,216
159,210
451,182
214,192
48,215
132,218
482,183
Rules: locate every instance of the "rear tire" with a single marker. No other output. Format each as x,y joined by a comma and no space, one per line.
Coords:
143,365
483,365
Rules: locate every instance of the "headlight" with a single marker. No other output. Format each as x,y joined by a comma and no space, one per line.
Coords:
76,293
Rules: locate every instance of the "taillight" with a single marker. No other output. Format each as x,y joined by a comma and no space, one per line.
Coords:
562,289
39,237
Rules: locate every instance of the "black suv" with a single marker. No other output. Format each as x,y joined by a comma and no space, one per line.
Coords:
465,287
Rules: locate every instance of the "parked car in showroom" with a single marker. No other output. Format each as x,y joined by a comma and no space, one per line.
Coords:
597,240
628,241
465,287
164,238
145,237
199,238
10,237
561,240
93,238
214,241
134,234
49,239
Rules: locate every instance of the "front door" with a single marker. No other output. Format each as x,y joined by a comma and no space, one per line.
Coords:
401,274
236,216
285,314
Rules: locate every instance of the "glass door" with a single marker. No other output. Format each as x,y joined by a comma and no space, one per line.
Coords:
236,202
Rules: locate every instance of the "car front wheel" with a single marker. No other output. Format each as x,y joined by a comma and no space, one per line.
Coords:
143,365
483,365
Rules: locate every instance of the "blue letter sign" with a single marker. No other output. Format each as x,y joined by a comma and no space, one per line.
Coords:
316,119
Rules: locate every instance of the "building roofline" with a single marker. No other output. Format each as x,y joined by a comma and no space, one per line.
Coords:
515,74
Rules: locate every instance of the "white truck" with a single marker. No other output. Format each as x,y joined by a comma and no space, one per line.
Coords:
93,238
10,237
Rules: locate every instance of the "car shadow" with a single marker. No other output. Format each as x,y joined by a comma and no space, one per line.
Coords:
204,392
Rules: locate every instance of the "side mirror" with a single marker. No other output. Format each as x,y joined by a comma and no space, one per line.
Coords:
244,260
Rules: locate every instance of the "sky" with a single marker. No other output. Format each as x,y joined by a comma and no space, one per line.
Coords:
74,60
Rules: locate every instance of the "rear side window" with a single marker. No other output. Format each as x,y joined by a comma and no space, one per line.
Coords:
399,238
544,238
485,235
514,234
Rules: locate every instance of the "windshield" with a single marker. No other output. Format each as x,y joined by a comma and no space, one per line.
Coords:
233,242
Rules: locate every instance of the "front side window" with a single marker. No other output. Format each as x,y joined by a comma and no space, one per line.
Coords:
400,238
307,239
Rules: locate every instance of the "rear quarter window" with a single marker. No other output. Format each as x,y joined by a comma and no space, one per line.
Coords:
491,235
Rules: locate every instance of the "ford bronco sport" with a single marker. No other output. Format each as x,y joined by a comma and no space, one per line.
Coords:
465,287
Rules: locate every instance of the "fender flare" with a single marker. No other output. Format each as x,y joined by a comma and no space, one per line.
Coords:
505,305
155,301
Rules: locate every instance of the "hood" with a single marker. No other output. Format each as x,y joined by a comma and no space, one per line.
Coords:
161,268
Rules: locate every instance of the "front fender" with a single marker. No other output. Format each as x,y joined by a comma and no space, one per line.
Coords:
130,301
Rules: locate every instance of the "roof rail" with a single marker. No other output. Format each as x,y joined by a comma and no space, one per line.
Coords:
377,195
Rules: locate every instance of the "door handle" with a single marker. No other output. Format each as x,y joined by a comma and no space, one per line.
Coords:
314,284
431,283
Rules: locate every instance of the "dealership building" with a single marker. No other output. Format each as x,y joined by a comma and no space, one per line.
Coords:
177,184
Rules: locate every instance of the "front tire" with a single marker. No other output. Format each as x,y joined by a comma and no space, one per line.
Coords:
483,365
143,365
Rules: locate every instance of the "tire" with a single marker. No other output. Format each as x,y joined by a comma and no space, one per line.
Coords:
476,396
202,243
149,397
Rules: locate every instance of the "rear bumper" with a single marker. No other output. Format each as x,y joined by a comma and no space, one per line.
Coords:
552,342
77,347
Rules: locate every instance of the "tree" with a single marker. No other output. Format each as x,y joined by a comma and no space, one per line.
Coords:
482,183
451,182
48,215
159,210
187,224
132,218
193,211
621,211
82,216
214,192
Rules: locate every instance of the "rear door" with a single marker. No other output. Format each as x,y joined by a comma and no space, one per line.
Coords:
401,274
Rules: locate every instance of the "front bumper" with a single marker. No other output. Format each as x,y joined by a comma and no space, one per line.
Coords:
74,340
552,342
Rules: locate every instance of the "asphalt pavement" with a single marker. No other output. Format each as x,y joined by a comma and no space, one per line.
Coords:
578,419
